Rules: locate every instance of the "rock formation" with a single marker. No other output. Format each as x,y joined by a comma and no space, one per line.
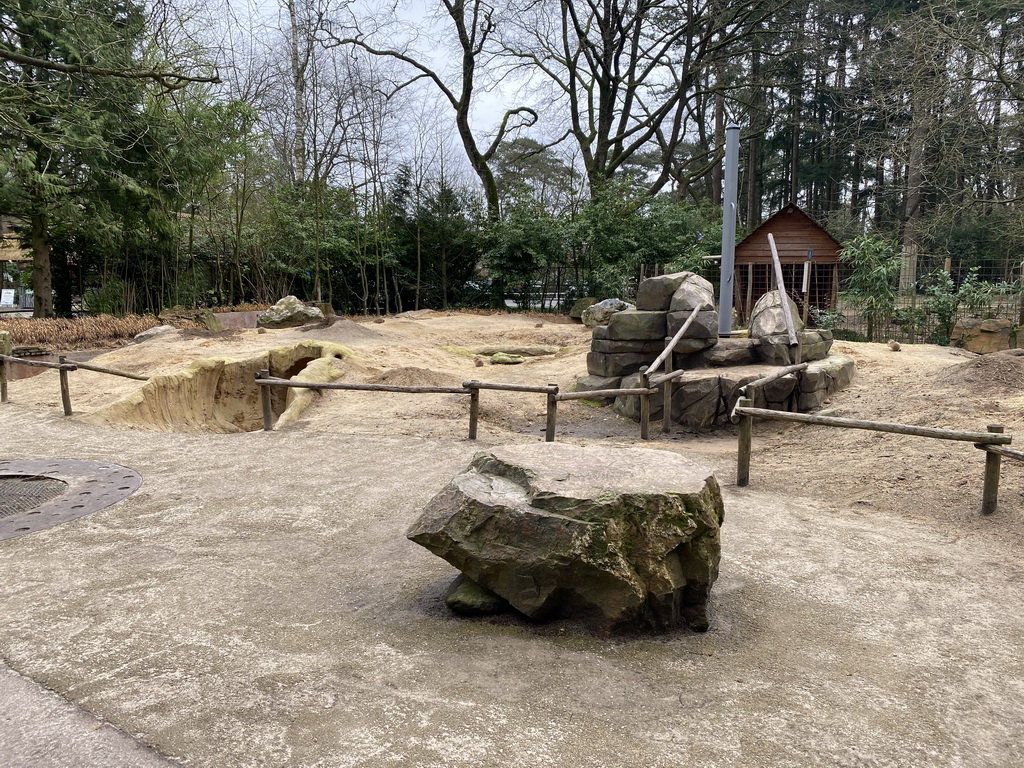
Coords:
288,313
618,540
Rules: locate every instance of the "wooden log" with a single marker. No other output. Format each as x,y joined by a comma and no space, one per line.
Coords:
675,340
5,352
1007,452
550,388
272,382
549,429
265,395
599,393
993,463
65,388
111,371
474,413
39,363
783,296
657,381
743,452
645,408
985,438
745,389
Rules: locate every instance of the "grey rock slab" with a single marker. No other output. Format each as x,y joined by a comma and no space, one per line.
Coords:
655,293
694,291
550,529
159,330
768,319
609,365
704,326
634,324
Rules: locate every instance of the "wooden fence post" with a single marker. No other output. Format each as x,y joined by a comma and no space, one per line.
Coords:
549,432
268,413
65,388
474,411
992,466
645,406
743,454
5,349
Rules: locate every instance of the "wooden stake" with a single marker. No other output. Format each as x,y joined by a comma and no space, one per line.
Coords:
65,389
549,432
474,412
666,400
645,408
743,454
268,412
5,349
992,466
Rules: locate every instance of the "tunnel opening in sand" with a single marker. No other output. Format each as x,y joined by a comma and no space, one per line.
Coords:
220,395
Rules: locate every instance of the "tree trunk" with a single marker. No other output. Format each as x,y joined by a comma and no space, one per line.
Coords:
42,275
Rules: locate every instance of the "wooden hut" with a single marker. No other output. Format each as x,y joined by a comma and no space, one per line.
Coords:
797,235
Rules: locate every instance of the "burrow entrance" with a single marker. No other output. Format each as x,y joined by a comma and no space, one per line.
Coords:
219,394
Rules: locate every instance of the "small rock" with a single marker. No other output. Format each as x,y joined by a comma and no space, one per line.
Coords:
379,320
261,330
502,358
152,332
479,363
894,345
468,598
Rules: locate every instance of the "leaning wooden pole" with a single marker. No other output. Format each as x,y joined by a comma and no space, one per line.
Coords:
743,456
993,462
5,350
65,387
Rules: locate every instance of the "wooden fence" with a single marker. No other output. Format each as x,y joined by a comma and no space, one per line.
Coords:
63,367
990,441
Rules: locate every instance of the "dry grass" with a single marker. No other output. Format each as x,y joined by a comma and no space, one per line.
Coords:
60,334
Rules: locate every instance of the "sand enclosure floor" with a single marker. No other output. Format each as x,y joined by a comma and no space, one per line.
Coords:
256,602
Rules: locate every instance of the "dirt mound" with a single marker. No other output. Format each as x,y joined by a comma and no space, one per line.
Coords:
1000,372
416,377
342,331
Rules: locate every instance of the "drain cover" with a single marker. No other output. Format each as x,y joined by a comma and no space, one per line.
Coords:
38,494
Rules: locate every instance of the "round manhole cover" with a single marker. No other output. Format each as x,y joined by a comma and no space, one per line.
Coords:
37,494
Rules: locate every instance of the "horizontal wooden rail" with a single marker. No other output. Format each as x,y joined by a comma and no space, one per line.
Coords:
273,382
606,393
763,382
111,371
39,363
1007,452
545,390
657,381
875,426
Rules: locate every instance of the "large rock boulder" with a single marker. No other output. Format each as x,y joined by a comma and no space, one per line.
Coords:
768,319
655,293
580,306
693,291
983,336
289,312
601,313
634,325
619,540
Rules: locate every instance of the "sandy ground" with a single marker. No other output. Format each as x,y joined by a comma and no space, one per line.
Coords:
256,602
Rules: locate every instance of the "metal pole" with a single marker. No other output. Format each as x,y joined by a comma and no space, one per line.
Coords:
992,466
727,284
65,389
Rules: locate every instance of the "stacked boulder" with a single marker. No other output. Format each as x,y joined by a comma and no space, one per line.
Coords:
767,328
632,338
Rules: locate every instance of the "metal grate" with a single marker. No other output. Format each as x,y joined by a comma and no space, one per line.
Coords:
20,493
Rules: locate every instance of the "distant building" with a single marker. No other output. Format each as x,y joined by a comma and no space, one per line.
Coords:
796,234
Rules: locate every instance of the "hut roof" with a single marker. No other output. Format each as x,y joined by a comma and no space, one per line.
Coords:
795,233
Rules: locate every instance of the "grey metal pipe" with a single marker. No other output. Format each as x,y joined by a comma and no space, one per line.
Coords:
729,210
